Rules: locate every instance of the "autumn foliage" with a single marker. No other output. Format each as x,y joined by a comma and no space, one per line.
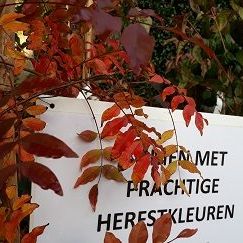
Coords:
56,59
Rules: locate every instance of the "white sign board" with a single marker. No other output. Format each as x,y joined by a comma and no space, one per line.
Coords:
214,207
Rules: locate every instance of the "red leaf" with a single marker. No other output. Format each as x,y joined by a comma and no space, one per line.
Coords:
111,128
41,175
135,12
199,122
139,45
32,236
156,177
140,168
90,157
110,238
46,66
5,126
93,196
36,84
139,233
78,48
176,101
105,23
167,91
88,175
110,172
123,141
190,101
159,79
187,233
102,22
110,113
162,228
6,148
88,136
188,112
5,173
45,145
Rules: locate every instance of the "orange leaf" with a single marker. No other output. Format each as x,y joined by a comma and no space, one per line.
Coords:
17,216
139,233
110,172
93,196
88,136
9,17
162,228
88,175
187,233
110,113
140,112
140,168
32,236
9,23
111,128
90,157
110,238
19,65
36,110
19,202
34,124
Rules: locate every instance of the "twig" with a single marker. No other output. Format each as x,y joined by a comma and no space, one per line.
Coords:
99,135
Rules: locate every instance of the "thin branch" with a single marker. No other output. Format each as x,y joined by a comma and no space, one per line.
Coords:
55,89
99,135
177,143
40,2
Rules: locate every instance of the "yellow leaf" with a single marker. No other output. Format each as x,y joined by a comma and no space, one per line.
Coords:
9,17
11,192
165,136
172,167
183,187
189,166
170,149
